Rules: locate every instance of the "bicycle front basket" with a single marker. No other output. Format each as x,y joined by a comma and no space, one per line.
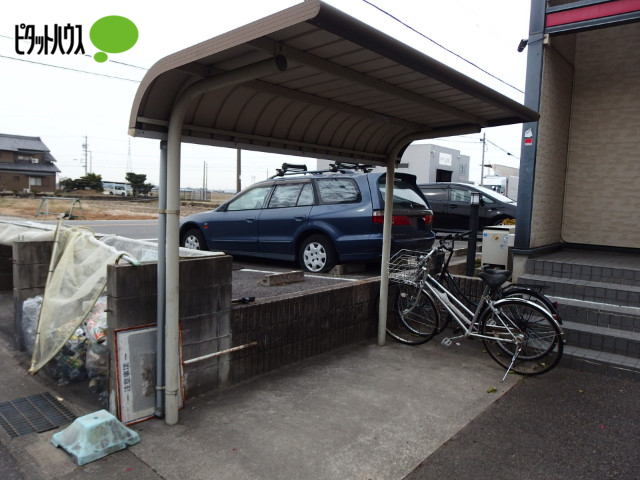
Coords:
403,267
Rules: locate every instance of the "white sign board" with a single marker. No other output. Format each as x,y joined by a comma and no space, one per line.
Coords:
136,363
445,159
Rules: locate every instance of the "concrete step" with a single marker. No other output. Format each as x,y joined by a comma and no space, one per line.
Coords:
582,270
602,362
598,295
590,290
599,314
610,340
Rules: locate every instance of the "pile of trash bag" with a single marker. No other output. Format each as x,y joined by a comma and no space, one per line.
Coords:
84,356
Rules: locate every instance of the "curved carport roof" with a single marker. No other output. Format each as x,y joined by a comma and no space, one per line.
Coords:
348,92
307,81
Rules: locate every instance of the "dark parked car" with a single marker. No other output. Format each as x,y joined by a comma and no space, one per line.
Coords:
315,218
450,203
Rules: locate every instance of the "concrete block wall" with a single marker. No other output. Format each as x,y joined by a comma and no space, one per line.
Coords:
282,331
30,266
205,302
6,268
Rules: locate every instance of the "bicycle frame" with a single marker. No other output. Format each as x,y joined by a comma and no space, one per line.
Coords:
465,318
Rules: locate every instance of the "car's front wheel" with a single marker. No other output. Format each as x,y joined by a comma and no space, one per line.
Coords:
193,239
317,254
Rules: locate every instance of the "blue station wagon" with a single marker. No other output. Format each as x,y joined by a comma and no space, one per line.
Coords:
317,219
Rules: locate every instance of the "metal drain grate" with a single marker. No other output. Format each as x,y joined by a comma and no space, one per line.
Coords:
33,414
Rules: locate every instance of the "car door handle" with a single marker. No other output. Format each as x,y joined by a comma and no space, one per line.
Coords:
250,220
300,218
453,206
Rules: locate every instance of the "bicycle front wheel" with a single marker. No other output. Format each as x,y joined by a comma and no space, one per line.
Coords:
396,328
524,336
418,311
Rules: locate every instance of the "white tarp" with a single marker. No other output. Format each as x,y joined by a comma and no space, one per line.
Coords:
77,277
24,231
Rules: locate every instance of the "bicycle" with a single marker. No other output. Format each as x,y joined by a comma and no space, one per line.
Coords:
519,334
444,276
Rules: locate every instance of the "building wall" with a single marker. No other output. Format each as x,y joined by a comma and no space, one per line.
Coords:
17,182
602,197
551,158
424,160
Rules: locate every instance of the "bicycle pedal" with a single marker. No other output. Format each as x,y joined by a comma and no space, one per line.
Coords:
446,342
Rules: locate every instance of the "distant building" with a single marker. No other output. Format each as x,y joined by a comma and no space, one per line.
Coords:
433,163
429,163
26,165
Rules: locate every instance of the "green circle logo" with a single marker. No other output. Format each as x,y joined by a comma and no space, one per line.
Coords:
112,34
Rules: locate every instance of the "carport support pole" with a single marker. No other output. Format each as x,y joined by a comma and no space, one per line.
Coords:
162,273
386,252
172,240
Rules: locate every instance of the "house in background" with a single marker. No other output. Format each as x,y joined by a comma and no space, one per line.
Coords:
26,165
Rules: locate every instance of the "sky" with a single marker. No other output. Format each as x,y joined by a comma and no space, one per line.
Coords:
70,100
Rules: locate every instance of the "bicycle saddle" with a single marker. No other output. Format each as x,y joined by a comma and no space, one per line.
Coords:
493,277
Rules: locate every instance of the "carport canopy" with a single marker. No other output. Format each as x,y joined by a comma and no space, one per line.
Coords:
307,81
345,92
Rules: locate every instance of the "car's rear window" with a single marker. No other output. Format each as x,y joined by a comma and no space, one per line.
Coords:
338,190
404,193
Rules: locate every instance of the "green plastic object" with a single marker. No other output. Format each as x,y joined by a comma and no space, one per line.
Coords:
94,436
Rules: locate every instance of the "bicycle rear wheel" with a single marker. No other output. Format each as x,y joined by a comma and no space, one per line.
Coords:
418,311
539,343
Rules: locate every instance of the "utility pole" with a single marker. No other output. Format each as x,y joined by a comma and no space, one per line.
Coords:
204,181
85,148
129,167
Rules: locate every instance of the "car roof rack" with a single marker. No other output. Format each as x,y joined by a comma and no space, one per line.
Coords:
294,169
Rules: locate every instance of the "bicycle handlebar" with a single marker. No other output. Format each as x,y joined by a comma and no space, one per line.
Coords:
452,237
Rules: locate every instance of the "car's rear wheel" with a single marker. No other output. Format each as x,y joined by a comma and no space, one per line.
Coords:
193,239
317,254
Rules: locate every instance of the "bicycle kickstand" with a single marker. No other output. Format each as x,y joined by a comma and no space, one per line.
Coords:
511,364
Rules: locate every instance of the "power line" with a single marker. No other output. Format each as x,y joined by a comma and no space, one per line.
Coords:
500,148
69,69
440,45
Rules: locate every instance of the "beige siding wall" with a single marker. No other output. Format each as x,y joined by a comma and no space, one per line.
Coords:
551,155
602,198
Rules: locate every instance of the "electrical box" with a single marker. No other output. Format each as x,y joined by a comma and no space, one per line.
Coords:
496,244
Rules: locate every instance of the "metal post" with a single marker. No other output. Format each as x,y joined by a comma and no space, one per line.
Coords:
484,144
174,138
239,170
386,251
473,236
161,270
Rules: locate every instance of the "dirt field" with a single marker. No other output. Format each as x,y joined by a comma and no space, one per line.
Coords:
96,208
